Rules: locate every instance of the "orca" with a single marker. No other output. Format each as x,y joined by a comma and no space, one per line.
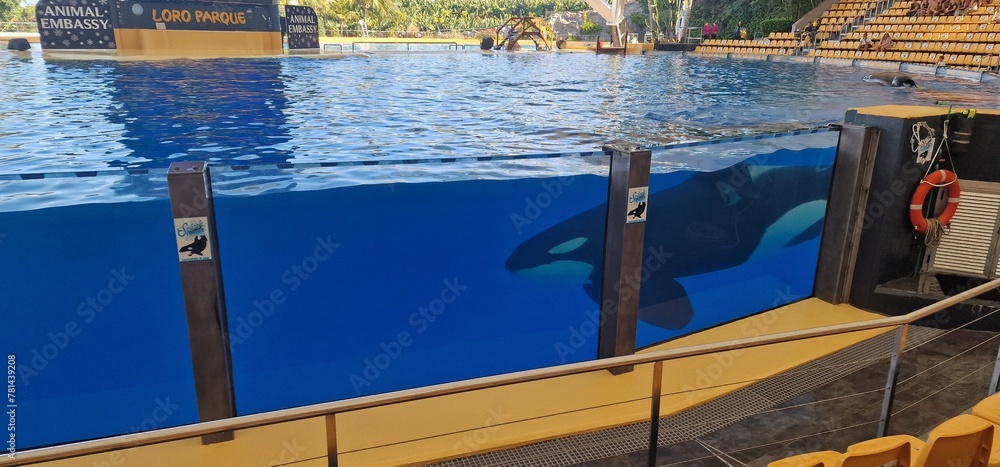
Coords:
710,222
196,247
891,78
637,212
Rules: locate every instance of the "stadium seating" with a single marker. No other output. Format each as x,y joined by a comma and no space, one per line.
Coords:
963,441
968,41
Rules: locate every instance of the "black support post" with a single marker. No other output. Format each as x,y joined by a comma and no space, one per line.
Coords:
190,187
625,227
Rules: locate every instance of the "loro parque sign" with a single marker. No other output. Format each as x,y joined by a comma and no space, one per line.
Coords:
138,25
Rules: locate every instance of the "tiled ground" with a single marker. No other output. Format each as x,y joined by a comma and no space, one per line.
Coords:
937,380
828,404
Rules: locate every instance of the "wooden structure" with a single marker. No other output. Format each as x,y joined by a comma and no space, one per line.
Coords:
608,50
517,28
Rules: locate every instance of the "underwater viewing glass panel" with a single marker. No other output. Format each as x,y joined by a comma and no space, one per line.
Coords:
92,308
733,230
354,280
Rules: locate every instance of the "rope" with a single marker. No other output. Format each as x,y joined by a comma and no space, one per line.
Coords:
942,185
922,146
935,230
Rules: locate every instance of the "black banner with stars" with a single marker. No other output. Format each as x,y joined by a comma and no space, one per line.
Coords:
75,24
303,27
198,16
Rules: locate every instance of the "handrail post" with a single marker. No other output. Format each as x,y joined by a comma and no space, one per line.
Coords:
654,413
899,345
625,227
190,188
331,440
996,375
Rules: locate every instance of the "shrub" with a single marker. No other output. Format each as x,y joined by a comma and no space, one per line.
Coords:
589,27
775,25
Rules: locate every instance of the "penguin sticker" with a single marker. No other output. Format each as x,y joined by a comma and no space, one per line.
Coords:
193,242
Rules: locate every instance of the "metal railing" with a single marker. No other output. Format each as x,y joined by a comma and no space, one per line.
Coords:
415,44
330,410
443,34
19,26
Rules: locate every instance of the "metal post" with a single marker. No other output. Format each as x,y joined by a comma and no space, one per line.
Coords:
190,187
845,213
654,413
625,227
996,375
331,440
899,345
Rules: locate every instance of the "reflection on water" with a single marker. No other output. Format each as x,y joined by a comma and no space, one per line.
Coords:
211,110
92,115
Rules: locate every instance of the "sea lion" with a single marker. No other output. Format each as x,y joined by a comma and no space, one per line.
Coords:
891,78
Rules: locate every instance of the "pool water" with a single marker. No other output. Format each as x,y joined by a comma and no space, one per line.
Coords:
94,115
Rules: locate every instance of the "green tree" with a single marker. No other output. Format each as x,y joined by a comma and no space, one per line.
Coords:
10,10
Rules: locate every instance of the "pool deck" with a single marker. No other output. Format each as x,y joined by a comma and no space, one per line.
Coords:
459,425
914,68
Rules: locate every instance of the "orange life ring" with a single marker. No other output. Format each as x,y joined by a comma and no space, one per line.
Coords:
936,178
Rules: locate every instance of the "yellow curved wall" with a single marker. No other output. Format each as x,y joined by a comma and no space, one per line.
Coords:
200,43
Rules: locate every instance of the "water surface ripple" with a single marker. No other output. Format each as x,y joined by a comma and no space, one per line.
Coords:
94,115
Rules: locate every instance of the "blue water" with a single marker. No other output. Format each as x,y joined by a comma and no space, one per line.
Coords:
93,115
360,280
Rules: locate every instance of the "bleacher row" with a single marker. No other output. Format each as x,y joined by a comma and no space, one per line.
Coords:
968,41
956,60
893,16
987,37
842,15
750,46
942,47
968,440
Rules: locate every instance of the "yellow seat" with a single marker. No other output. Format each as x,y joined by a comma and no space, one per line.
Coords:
811,459
988,409
895,452
963,441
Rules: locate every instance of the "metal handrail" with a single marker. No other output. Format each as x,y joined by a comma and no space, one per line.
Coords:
19,26
450,44
331,408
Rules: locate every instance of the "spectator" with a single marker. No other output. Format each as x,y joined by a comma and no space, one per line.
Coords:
809,33
866,42
885,44
740,32
962,7
914,8
715,30
706,31
940,60
949,7
996,17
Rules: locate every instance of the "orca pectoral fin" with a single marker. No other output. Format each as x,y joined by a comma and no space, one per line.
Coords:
663,301
664,304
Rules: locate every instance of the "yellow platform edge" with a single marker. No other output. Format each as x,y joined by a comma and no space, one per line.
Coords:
419,432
